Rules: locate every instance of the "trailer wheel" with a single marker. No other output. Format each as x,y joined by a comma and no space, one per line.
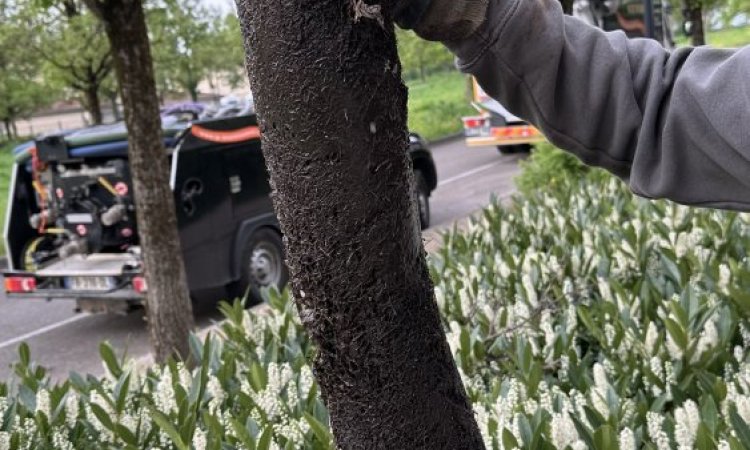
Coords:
262,265
422,192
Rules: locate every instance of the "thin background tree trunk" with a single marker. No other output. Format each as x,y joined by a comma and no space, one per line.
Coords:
332,108
169,310
698,34
93,104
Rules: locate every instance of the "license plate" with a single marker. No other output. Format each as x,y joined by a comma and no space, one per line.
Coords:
97,284
79,218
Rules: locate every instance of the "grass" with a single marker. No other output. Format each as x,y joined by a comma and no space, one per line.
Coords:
726,38
729,37
437,104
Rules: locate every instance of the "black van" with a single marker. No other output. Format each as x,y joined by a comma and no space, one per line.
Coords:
71,231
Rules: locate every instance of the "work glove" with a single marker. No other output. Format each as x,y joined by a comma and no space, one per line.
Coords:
441,20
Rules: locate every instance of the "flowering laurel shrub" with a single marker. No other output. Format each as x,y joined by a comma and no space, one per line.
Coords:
586,318
580,318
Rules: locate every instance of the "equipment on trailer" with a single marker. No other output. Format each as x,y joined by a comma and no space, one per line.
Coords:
71,228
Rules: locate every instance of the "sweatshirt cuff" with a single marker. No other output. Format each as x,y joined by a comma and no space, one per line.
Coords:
471,49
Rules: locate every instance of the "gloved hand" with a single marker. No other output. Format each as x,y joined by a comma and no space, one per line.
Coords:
441,20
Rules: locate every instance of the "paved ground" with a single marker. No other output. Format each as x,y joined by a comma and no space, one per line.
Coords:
66,341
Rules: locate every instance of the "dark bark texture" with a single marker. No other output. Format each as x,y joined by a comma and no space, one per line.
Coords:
327,83
698,34
169,311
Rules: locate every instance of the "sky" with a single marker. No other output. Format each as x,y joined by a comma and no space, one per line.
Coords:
223,5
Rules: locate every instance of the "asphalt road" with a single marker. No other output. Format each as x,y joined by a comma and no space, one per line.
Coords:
65,341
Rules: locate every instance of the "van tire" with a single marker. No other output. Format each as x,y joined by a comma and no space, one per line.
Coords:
262,265
512,149
422,195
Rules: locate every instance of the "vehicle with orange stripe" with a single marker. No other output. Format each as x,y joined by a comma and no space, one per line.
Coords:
71,228
496,126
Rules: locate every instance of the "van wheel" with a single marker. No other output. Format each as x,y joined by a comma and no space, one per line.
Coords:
422,192
511,149
262,265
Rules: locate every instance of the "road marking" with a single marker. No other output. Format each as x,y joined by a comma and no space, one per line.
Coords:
40,331
469,173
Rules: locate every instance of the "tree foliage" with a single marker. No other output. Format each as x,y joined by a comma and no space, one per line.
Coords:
420,57
192,43
72,49
21,88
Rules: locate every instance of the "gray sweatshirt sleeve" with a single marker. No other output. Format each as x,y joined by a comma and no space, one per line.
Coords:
674,124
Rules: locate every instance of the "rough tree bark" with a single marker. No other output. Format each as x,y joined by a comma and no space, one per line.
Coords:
327,84
169,310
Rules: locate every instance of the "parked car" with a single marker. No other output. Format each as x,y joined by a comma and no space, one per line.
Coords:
71,230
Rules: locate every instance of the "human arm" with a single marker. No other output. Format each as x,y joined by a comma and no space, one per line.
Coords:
673,124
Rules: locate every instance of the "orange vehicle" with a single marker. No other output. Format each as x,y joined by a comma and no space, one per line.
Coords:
496,126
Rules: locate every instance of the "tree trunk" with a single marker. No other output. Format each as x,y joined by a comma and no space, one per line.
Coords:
169,310
192,84
112,96
698,36
93,104
332,108
193,90
8,129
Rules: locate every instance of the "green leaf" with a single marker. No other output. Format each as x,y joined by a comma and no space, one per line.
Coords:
672,268
534,378
166,425
126,435
24,354
605,438
739,425
710,414
509,441
465,341
583,431
110,360
677,333
121,392
704,439
321,431
257,377
102,416
242,434
264,443
196,347
525,429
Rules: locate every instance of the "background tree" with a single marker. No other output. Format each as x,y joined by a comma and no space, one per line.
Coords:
421,57
73,48
168,306
693,12
332,106
22,90
190,44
